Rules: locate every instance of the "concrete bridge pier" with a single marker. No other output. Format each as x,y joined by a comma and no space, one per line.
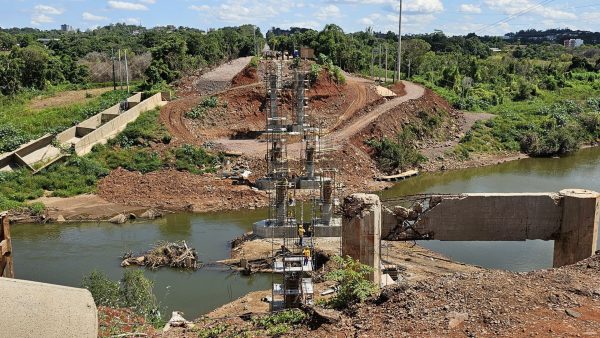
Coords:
361,231
578,233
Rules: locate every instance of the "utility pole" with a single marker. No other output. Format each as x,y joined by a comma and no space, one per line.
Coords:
254,37
120,71
126,71
399,40
380,66
112,52
386,63
373,63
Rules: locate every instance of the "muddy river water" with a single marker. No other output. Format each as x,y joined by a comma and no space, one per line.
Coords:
63,254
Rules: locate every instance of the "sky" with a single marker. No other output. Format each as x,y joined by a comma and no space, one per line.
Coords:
484,17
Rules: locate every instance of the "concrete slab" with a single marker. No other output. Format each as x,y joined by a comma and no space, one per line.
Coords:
32,309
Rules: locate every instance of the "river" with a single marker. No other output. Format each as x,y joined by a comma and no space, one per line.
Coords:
63,254
579,170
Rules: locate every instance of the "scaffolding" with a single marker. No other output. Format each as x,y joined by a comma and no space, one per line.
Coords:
293,238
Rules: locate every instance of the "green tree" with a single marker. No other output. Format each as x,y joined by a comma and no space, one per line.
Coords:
10,75
35,65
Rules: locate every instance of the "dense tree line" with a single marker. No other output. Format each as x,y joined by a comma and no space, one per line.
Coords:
31,58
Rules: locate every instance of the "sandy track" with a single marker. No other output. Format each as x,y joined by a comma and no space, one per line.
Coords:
334,140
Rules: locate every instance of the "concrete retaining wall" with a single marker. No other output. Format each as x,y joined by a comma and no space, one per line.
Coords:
32,309
116,125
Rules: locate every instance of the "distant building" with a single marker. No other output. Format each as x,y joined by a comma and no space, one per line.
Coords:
573,43
495,50
67,28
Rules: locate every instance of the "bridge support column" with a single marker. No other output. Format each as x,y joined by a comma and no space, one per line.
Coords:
579,227
361,231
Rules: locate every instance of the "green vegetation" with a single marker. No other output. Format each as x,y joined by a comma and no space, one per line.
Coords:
352,279
133,291
212,332
550,131
399,154
129,150
281,322
143,131
19,124
204,107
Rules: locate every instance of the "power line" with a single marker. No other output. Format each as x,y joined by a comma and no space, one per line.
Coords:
516,15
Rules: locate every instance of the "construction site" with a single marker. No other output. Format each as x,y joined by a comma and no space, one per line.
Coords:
296,150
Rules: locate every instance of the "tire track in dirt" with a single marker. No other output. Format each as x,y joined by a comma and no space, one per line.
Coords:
334,140
214,82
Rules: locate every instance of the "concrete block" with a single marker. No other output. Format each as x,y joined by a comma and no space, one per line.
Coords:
32,309
579,229
361,231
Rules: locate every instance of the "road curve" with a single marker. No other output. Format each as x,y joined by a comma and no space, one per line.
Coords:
336,139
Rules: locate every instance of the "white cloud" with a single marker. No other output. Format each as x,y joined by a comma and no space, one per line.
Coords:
38,19
328,12
43,14
421,6
199,7
252,10
148,1
470,8
87,16
48,10
129,6
528,7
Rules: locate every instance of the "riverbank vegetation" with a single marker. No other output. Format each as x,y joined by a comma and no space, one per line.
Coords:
20,124
132,296
142,146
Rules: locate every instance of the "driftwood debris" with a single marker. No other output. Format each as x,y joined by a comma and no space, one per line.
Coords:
172,254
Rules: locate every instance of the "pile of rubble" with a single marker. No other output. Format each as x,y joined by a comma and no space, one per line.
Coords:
554,302
175,255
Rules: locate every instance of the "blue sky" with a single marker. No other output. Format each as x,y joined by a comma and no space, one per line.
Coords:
419,16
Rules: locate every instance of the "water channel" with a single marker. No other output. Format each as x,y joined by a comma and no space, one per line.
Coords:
63,254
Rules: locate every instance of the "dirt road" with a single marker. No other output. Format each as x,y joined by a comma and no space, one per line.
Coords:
220,78
210,83
334,140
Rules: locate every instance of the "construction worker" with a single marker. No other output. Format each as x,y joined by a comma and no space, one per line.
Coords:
306,253
301,233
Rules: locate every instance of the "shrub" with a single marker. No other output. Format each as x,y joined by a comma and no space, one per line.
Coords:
352,278
281,322
193,159
133,291
396,155
201,110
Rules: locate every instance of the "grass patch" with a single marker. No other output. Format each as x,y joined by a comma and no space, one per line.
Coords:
145,130
19,124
